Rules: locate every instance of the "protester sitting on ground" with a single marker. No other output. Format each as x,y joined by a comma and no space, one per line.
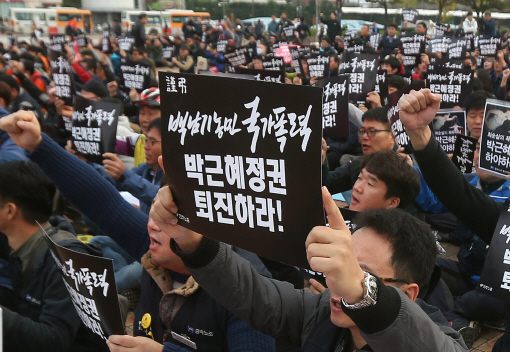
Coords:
165,281
347,315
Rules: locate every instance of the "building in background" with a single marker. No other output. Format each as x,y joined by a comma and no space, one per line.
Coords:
107,11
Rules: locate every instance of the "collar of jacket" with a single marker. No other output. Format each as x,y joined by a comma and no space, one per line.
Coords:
164,279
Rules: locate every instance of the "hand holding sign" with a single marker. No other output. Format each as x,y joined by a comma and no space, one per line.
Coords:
113,166
23,128
330,251
417,110
121,343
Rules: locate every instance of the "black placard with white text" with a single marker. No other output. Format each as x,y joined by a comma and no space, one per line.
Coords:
447,125
464,153
236,170
238,57
410,15
126,43
62,75
487,45
106,45
273,62
318,66
262,75
57,42
495,139
439,44
90,281
458,47
81,40
94,128
453,85
335,105
135,75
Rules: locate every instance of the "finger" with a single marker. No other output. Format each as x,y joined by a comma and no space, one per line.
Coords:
111,156
414,98
434,100
160,215
335,218
405,106
160,162
123,340
401,150
322,265
317,286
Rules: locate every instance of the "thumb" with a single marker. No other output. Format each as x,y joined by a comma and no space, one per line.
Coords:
435,99
160,162
335,218
28,126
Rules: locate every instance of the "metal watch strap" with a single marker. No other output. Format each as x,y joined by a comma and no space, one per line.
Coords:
369,283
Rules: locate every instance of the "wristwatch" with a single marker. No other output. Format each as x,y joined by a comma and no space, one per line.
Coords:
369,284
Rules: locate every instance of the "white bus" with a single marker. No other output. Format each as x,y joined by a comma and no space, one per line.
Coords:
161,22
51,20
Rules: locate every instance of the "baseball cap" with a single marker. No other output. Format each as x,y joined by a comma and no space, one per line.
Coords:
149,97
96,88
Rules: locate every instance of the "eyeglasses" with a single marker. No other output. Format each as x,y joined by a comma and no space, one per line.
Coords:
370,131
150,142
389,280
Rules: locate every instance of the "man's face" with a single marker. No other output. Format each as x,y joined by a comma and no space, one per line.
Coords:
392,31
487,17
137,56
144,20
373,253
146,116
89,95
475,121
273,17
258,64
161,254
497,65
333,65
381,141
365,31
390,70
369,192
470,17
183,52
420,28
467,62
153,147
324,44
333,16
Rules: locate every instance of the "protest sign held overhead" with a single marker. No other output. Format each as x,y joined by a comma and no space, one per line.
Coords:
495,278
168,52
238,57
106,45
62,75
401,138
441,29
318,66
90,282
127,43
439,44
495,140
236,170
457,48
94,128
362,69
273,62
464,153
335,106
375,38
134,75
296,61
381,85
289,32
447,125
410,15
413,44
487,45
262,75
222,45
57,42
453,85
81,40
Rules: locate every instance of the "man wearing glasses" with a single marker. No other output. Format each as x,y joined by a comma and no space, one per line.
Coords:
375,135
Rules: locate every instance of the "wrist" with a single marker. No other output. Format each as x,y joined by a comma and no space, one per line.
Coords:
420,137
36,144
190,242
357,290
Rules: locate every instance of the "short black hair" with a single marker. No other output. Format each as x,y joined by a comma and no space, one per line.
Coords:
326,38
421,23
156,123
10,80
140,50
5,92
335,57
476,100
414,246
486,80
91,63
26,56
24,184
397,82
86,52
33,48
472,59
142,16
376,114
401,179
392,25
29,66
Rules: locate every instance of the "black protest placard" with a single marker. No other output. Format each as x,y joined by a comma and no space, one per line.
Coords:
318,66
375,38
62,75
410,15
495,140
457,64
447,125
135,75
413,44
355,48
487,45
273,62
94,128
90,281
57,42
495,278
453,85
441,29
457,48
471,39
168,52
362,69
238,57
464,153
296,61
335,103
106,45
236,169
262,75
439,44
81,40
127,43
221,45
408,78
398,130
381,85
289,33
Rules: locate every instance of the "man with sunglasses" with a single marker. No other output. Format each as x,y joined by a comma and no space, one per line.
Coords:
375,135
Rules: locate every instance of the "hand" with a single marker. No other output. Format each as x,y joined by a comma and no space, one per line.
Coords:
329,250
15,66
363,108
23,128
72,150
123,53
70,54
121,343
316,287
133,94
374,99
313,80
113,166
164,60
62,109
174,60
324,150
405,156
500,56
506,73
287,80
112,88
417,109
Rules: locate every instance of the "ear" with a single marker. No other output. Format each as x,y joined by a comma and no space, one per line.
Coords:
10,210
411,291
392,202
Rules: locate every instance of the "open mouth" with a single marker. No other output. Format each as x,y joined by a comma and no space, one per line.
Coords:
154,242
336,303
354,199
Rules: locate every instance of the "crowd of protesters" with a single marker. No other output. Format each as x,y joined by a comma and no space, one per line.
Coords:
388,290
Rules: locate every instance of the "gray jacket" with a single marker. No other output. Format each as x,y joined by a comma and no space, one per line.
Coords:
275,308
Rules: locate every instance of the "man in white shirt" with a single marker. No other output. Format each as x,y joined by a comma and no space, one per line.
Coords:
470,25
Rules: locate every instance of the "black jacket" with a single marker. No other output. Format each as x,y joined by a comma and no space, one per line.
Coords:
342,178
41,315
138,32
